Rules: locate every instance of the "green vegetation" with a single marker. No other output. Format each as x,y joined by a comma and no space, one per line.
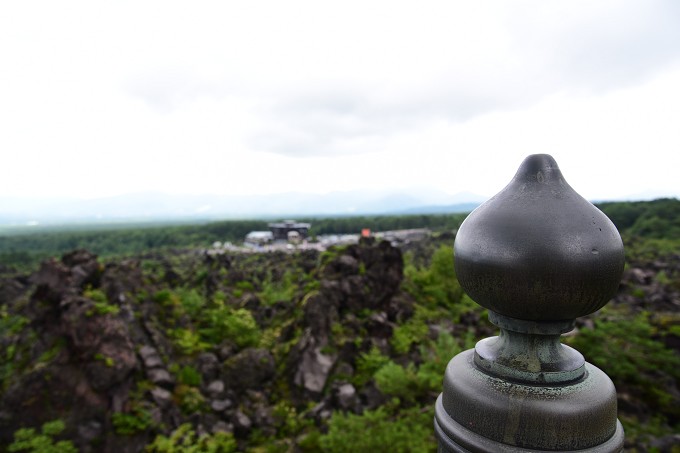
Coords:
28,440
190,399
101,303
278,291
136,421
226,323
194,308
187,342
649,228
626,345
13,358
658,219
187,375
204,323
368,364
409,431
185,440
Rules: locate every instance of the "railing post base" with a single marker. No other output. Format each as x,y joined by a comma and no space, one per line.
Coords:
480,413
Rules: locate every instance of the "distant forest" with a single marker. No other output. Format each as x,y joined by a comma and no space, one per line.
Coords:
656,220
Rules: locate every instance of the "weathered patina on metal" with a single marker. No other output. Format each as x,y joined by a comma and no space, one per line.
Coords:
537,255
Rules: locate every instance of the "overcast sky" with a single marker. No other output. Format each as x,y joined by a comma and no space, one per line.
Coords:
106,98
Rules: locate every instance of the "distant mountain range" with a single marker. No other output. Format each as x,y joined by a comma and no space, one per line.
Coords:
159,206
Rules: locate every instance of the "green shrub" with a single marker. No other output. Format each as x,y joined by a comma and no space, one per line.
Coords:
283,290
367,364
436,356
11,324
28,440
127,424
186,341
191,301
187,375
102,306
96,295
290,422
436,285
225,323
401,382
185,440
166,298
376,431
190,399
626,349
244,285
414,330
53,351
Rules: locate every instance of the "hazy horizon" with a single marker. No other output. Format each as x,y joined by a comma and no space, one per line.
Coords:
159,207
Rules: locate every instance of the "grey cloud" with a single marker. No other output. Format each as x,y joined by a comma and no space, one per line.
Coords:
586,52
329,122
602,52
589,54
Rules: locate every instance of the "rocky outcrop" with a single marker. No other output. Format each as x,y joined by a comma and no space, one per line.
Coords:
362,279
84,356
251,368
92,339
648,285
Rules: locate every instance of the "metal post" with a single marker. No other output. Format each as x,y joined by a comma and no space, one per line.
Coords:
537,255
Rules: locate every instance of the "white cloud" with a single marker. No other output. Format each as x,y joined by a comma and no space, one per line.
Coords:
104,98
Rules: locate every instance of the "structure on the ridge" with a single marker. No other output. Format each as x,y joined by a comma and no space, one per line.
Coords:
289,230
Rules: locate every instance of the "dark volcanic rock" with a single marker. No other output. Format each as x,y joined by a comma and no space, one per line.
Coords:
320,313
371,283
102,341
48,393
52,280
121,281
11,289
249,369
85,269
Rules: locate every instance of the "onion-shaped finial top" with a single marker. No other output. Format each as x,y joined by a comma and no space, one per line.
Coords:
538,251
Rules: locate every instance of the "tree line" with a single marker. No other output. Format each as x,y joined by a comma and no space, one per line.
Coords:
657,219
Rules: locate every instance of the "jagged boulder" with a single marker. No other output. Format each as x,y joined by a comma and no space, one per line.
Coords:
251,368
12,288
364,277
83,359
85,269
101,342
320,312
52,281
120,281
